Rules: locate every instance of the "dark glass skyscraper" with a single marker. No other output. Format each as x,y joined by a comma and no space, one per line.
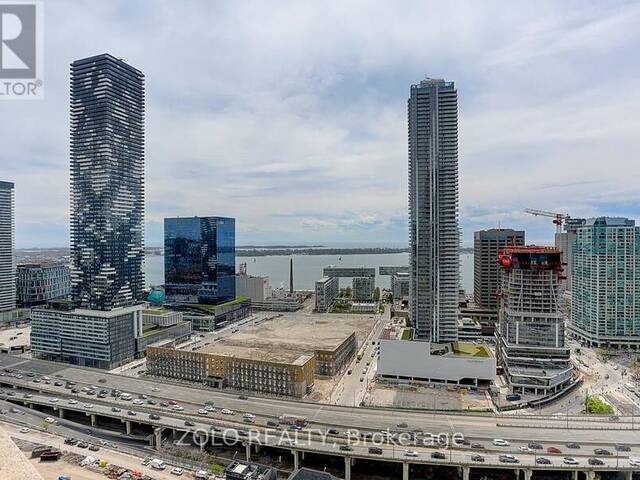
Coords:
199,259
107,182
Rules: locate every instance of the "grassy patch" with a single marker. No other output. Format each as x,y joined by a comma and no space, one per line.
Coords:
598,406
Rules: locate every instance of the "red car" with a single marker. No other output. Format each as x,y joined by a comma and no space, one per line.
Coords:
553,450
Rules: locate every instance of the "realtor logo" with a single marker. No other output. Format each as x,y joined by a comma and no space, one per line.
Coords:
21,40
18,37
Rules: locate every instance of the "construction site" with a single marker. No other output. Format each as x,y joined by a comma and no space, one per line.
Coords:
281,355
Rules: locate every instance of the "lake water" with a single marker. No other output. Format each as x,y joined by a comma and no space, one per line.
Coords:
308,268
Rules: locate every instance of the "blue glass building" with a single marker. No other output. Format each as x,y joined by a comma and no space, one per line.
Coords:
200,259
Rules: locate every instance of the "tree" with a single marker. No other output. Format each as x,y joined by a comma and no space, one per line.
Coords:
348,292
376,294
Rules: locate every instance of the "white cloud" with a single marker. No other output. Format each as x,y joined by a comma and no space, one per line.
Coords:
260,110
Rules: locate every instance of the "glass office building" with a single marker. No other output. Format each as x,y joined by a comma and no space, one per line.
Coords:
107,182
199,259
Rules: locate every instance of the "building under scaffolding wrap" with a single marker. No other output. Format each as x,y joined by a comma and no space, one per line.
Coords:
530,337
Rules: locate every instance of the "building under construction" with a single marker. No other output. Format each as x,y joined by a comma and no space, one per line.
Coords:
530,338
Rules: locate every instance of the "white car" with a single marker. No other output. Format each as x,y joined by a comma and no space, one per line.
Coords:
410,453
54,400
249,416
210,408
72,401
202,411
177,471
138,401
500,442
25,430
50,420
87,405
226,411
634,461
525,449
177,408
570,461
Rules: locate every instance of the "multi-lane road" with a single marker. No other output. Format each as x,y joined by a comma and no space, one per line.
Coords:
550,431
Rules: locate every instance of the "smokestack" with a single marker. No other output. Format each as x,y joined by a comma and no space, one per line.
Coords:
291,276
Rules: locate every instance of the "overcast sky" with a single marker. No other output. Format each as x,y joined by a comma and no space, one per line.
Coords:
291,116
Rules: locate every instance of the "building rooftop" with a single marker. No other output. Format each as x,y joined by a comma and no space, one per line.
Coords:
309,474
291,336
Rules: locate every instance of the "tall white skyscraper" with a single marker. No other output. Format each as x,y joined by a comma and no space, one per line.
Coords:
433,210
7,241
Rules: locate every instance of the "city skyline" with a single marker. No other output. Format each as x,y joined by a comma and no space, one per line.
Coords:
300,135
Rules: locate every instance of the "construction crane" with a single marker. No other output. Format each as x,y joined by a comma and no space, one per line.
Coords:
558,218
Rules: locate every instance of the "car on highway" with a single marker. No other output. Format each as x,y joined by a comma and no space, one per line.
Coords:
477,446
88,405
543,461
525,449
58,383
50,420
116,409
154,416
554,450
602,451
202,411
271,423
132,413
151,401
189,423
500,442
507,458
27,395
177,408
226,411
573,445
410,453
210,408
621,447
535,446
438,455
477,458
177,471
595,461
70,441
570,461
137,401
25,430
54,400
635,461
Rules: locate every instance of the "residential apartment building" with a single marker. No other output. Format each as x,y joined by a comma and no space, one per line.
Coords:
363,289
530,338
200,259
37,283
7,243
107,212
605,291
107,183
564,242
486,270
89,338
400,285
326,291
433,210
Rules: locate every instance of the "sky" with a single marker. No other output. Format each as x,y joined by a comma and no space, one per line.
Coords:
291,116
